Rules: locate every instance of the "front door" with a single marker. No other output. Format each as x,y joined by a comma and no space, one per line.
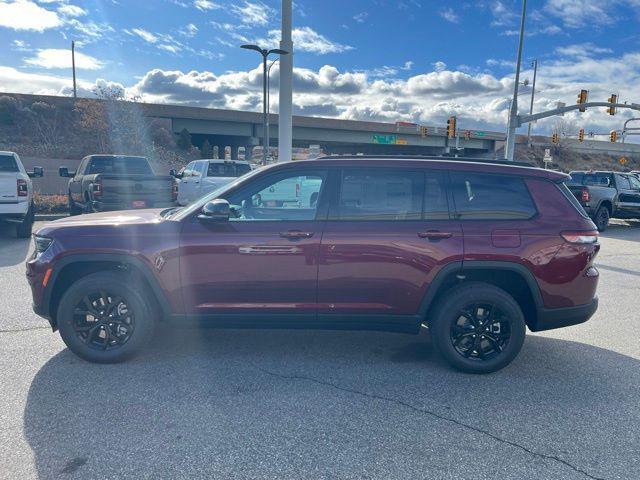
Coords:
264,259
387,236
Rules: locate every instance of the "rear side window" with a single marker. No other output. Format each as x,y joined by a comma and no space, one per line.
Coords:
491,197
623,182
381,194
227,169
572,199
8,163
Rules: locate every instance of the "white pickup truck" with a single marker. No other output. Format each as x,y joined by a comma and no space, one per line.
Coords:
204,176
16,193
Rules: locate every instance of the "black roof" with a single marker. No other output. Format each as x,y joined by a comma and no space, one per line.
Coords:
429,157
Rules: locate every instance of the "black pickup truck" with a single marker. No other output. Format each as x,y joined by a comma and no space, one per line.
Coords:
606,195
117,182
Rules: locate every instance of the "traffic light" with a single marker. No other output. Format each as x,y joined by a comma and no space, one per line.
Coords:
582,98
612,99
613,136
451,127
555,138
581,135
424,131
467,135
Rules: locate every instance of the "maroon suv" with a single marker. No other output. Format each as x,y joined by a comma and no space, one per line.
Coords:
476,251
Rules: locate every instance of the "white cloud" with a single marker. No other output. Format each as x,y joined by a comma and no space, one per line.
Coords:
189,30
145,35
361,17
71,10
582,50
205,5
27,15
61,58
449,15
440,66
308,40
254,13
20,45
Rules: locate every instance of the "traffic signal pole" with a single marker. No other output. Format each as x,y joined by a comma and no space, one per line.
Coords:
513,111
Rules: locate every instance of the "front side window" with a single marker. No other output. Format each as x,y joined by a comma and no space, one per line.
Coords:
380,194
491,197
281,197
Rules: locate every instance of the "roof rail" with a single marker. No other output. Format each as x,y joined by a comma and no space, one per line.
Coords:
430,157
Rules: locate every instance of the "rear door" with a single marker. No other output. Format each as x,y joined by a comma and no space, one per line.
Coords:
8,178
387,236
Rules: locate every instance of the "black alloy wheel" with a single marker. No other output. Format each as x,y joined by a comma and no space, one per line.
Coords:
481,332
103,321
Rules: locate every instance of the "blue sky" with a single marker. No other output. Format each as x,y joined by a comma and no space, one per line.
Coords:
382,60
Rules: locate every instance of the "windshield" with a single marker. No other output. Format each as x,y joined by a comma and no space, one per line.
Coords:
218,193
119,165
227,169
8,163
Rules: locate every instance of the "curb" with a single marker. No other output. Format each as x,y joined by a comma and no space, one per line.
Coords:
49,216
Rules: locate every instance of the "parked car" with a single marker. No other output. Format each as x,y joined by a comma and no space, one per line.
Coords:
476,251
117,182
606,195
204,176
16,193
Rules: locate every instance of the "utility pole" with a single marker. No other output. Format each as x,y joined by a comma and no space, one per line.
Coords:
73,67
513,111
268,126
533,94
285,112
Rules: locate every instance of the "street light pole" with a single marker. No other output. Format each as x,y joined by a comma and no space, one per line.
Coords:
73,67
513,111
265,120
269,104
533,93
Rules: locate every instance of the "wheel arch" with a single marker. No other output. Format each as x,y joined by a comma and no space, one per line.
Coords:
514,278
73,267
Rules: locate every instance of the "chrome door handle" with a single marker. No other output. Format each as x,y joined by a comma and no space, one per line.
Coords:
296,234
435,235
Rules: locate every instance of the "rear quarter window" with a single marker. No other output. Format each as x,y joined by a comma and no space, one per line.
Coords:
479,196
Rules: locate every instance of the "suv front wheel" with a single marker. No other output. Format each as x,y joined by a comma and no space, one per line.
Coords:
103,318
478,328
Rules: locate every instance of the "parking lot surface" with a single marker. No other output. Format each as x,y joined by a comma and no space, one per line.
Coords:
309,404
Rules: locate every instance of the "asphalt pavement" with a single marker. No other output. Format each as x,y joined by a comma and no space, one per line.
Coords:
307,404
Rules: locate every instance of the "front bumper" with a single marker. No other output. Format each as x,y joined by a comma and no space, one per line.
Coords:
550,318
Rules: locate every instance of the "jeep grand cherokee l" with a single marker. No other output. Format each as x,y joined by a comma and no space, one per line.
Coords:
475,251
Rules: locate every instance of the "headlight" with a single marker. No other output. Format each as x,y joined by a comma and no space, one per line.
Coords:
42,243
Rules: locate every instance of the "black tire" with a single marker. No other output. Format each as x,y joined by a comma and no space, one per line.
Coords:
87,208
499,336
106,337
73,208
601,218
25,228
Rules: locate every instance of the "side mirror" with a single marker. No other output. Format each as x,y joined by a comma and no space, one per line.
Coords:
37,172
174,173
217,210
64,172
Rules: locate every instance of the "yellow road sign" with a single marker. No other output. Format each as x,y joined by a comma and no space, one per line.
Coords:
623,161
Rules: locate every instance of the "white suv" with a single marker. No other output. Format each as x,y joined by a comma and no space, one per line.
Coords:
16,193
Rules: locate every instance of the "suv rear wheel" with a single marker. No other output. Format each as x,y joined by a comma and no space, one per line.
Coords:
103,318
478,328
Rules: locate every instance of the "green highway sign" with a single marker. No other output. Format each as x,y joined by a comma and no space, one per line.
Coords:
385,139
479,134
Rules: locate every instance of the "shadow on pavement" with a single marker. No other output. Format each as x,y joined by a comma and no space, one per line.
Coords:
296,404
12,250
623,230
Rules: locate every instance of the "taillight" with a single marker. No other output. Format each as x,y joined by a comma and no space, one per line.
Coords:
590,236
22,188
97,188
174,191
585,195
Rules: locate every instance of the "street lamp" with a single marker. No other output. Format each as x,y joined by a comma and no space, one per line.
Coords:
265,120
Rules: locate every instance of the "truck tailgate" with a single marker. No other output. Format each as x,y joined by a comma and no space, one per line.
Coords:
8,188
